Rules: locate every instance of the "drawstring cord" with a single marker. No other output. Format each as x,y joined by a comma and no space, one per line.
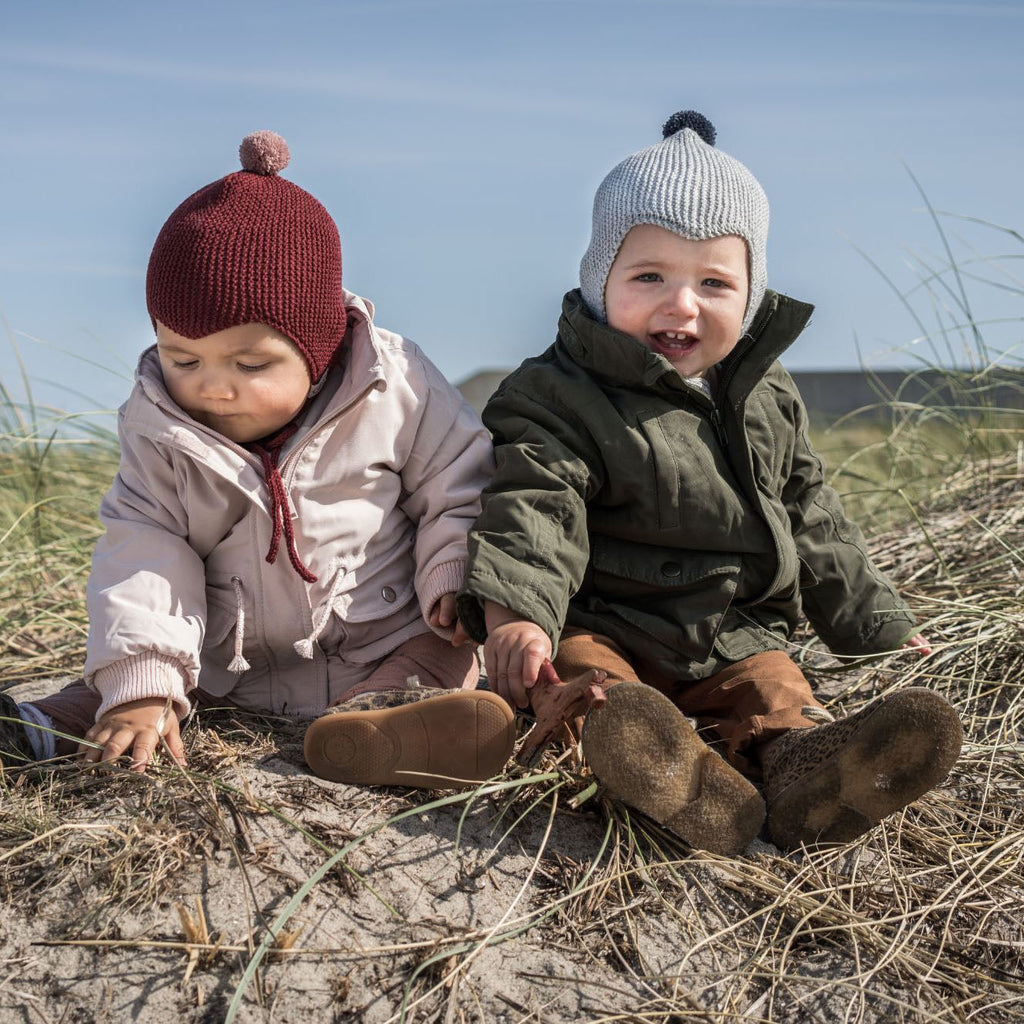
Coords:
304,648
269,452
238,664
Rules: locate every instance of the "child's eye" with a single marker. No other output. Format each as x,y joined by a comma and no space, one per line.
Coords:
185,364
648,277
249,368
715,282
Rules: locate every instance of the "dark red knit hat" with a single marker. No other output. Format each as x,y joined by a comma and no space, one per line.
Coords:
252,248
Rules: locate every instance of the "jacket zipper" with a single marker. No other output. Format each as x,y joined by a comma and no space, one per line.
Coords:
292,458
719,425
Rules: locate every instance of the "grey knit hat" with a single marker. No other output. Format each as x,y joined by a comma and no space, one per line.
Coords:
685,185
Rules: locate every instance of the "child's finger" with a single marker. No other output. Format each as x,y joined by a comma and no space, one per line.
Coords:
531,665
919,643
88,753
491,664
515,679
446,608
96,748
175,746
142,751
114,745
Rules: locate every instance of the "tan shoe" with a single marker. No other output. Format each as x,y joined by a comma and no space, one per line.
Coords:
643,749
422,738
831,783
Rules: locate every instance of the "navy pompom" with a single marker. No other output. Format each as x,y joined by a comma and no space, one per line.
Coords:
690,119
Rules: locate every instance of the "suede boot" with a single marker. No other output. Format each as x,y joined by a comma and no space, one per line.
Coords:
422,738
831,783
643,749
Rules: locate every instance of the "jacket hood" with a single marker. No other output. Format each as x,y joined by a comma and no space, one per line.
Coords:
621,360
361,361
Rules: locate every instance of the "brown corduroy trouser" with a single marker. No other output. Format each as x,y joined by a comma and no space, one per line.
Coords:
433,660
749,703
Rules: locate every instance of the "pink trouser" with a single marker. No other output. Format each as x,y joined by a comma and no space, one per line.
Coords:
434,660
749,703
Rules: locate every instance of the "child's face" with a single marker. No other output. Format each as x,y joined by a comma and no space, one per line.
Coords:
681,298
245,382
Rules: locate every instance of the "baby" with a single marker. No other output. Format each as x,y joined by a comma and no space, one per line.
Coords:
287,528
659,515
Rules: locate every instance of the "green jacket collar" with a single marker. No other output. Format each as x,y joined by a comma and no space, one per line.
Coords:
610,355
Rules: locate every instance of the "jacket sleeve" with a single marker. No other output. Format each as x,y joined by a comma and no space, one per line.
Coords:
850,603
449,462
146,592
529,549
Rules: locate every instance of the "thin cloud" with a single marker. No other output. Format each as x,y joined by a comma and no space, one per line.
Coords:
360,84
1012,7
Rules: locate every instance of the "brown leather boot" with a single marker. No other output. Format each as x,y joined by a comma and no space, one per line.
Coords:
643,749
831,783
423,738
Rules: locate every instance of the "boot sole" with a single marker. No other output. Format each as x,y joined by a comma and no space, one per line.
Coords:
450,741
903,749
640,746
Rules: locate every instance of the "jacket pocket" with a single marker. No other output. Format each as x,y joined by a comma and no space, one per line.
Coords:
377,598
676,598
221,615
740,638
808,577
692,479
219,644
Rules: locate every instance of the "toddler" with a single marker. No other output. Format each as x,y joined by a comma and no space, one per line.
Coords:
287,528
657,513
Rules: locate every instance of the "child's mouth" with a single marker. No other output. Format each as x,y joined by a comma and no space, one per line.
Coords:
673,344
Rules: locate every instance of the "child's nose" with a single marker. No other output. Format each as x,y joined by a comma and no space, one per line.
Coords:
683,302
216,385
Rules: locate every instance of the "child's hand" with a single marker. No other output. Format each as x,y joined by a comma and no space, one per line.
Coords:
513,653
461,637
919,643
135,727
442,615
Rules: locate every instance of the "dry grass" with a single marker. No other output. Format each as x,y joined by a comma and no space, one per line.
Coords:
241,889
919,921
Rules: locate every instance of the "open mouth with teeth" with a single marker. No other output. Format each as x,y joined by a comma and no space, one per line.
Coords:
673,344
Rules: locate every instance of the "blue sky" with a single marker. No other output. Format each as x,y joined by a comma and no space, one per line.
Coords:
458,144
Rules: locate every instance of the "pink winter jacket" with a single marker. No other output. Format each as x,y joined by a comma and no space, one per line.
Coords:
383,489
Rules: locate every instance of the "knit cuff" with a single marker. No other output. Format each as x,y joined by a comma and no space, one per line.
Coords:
445,578
144,675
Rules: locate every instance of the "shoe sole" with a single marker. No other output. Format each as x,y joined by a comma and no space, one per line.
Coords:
641,747
450,741
904,748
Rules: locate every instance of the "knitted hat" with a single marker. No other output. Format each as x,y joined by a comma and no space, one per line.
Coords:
685,185
252,248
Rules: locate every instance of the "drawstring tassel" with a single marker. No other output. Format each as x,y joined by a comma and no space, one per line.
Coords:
304,647
269,454
238,664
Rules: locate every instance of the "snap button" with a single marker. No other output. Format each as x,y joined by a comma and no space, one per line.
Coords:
671,569
388,594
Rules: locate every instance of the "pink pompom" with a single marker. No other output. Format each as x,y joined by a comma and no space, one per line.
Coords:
263,153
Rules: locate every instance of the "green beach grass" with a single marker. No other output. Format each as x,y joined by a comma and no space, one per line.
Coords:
241,889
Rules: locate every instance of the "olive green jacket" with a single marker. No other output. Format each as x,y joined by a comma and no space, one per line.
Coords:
692,533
